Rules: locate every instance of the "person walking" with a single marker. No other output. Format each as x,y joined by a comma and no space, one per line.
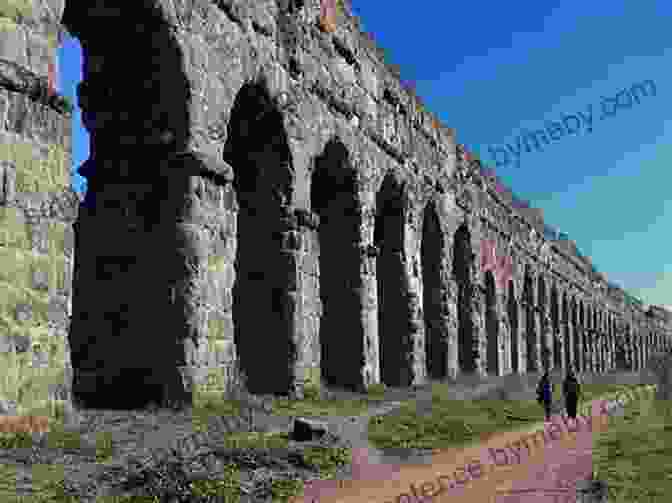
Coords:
571,391
545,394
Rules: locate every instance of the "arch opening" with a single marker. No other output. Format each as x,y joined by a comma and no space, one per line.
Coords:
584,338
555,324
589,340
543,335
574,313
530,329
333,198
512,308
566,335
463,257
491,324
431,253
122,173
394,314
258,151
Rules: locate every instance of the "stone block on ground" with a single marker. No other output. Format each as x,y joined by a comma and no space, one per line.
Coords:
308,429
591,491
8,407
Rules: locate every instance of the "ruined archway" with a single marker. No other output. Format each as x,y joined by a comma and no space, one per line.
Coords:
574,313
584,335
596,340
604,336
258,151
621,338
512,309
431,254
333,197
566,330
530,329
542,309
131,228
589,339
555,324
491,324
463,257
393,309
630,351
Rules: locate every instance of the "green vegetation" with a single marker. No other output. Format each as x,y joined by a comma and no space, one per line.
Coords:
457,423
634,454
450,423
312,405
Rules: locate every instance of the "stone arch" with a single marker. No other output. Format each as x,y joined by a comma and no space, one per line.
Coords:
584,335
596,318
629,346
597,338
622,344
431,256
565,316
512,310
606,336
333,197
542,309
394,314
574,320
530,329
588,336
135,133
555,323
258,151
491,324
463,258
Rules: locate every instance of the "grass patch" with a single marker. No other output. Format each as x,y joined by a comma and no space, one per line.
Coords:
457,423
318,407
312,405
634,455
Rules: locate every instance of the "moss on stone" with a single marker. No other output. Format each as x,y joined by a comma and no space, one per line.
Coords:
217,264
34,174
14,9
16,268
216,329
312,377
56,236
13,229
214,382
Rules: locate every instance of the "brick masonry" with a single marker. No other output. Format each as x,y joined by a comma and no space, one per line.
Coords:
262,189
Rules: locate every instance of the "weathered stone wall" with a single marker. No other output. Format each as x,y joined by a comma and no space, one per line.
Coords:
37,208
263,189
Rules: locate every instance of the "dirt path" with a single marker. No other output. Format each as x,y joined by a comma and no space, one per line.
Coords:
135,434
528,465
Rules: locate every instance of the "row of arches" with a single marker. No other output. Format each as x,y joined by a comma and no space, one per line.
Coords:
269,292
553,330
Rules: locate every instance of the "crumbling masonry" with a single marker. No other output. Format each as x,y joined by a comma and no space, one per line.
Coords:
263,189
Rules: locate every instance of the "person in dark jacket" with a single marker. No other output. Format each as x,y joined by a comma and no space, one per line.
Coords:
571,391
545,394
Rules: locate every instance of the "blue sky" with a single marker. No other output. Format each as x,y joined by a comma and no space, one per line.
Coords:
494,70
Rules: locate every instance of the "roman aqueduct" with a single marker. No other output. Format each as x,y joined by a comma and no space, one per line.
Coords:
262,188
